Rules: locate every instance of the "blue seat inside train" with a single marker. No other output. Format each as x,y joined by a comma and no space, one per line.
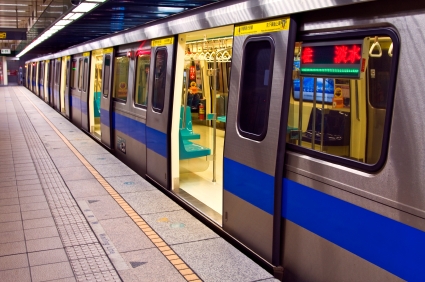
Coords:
189,150
336,130
187,132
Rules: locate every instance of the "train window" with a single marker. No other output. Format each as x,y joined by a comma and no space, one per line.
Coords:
73,72
142,79
355,74
121,70
80,74
255,90
160,72
86,74
107,74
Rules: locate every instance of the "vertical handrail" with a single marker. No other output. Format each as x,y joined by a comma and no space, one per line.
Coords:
300,112
313,129
185,99
214,121
322,128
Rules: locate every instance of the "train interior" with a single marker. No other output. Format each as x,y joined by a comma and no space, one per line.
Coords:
95,92
348,121
203,107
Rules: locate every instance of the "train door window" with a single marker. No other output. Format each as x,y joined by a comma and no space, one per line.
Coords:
340,100
160,72
255,90
66,76
80,74
121,70
142,79
58,72
107,76
86,74
73,72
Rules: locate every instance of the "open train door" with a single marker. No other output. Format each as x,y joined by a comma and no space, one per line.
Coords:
257,115
158,123
67,88
106,99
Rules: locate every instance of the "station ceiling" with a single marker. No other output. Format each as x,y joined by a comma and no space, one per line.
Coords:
108,17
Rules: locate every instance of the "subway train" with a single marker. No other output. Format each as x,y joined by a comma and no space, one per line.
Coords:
293,126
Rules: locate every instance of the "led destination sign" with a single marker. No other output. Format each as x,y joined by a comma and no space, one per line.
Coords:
346,59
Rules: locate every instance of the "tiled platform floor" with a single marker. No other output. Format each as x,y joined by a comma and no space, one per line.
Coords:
58,223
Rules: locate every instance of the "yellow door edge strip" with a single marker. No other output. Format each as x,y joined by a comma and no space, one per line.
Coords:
163,247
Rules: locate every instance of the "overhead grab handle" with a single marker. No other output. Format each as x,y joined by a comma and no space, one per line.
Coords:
374,46
390,51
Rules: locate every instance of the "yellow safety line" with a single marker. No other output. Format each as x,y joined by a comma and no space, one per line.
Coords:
172,257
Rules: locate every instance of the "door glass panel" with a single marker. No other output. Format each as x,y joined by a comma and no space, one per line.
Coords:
80,74
160,72
73,72
254,95
107,76
86,74
121,69
142,79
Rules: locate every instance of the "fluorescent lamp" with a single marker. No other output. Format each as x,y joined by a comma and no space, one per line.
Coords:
57,27
85,7
98,1
76,16
63,22
68,16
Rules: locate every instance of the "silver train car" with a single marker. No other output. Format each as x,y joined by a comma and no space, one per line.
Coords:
294,127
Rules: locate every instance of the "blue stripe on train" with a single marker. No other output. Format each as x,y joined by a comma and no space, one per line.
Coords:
133,128
249,184
156,141
389,244
393,246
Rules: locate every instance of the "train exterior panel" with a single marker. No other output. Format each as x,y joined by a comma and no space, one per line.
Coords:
321,163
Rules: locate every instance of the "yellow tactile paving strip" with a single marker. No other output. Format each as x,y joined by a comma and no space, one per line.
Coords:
172,257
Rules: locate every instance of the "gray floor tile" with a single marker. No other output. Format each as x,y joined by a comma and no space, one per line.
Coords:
12,248
70,161
178,227
150,202
38,233
110,170
34,206
9,217
86,188
102,159
151,265
9,202
44,244
105,207
11,226
36,214
12,236
217,260
27,171
75,173
91,150
47,257
52,271
130,183
13,262
125,234
32,199
39,223
20,274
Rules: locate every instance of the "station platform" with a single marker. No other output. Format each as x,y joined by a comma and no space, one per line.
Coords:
71,211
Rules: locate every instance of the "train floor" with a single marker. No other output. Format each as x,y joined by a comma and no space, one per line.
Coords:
71,211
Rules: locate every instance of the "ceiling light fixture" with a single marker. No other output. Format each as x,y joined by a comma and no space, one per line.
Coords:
85,7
